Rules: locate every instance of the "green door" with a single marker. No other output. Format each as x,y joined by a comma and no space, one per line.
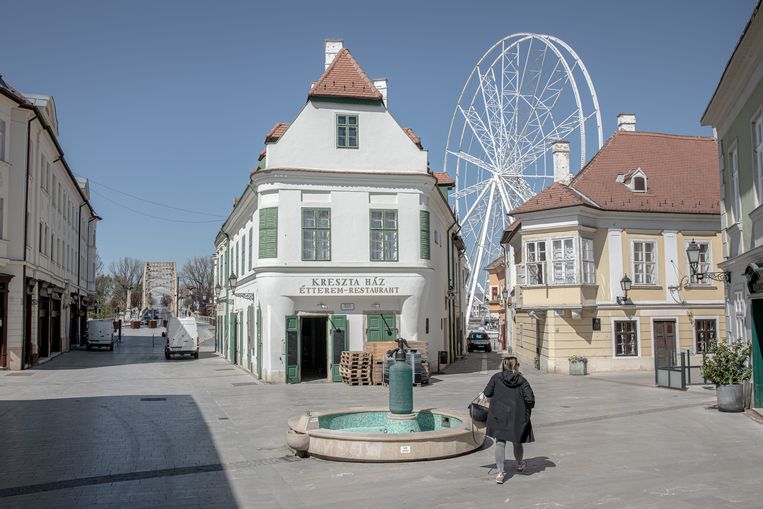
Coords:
232,329
381,328
249,336
339,343
293,350
757,353
259,342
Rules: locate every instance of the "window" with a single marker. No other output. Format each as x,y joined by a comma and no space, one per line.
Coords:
536,262
626,338
644,266
705,333
2,216
564,261
587,257
383,235
740,309
639,184
493,294
2,140
243,255
43,172
268,233
424,234
251,237
316,234
757,154
705,258
42,238
347,131
53,191
736,199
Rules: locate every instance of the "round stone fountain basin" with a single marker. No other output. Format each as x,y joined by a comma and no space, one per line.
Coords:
372,435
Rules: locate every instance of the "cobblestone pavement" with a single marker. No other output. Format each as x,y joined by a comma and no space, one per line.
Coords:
129,429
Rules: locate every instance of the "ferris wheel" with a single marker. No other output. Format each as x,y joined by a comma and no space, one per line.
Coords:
526,92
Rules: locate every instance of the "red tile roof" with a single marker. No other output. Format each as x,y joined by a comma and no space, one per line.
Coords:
509,232
414,137
443,179
344,78
276,132
681,171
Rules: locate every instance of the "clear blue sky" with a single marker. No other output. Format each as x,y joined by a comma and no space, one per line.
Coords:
171,100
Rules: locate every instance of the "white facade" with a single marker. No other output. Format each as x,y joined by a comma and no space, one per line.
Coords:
305,170
49,259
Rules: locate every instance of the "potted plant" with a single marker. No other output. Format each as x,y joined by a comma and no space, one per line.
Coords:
727,365
578,365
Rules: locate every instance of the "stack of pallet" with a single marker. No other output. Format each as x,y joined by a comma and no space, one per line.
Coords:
378,349
355,368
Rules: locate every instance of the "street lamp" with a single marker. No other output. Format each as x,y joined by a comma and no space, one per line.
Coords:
692,252
625,285
232,282
505,295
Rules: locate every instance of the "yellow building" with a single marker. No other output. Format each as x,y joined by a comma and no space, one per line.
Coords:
629,213
496,300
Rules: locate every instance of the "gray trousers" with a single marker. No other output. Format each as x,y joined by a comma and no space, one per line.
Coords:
500,453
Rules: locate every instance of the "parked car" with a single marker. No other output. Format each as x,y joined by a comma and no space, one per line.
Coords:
478,341
182,338
100,333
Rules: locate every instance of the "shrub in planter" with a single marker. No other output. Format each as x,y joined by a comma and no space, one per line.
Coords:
727,366
578,365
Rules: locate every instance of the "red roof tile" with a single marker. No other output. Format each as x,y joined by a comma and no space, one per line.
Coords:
414,137
276,132
344,78
681,171
443,179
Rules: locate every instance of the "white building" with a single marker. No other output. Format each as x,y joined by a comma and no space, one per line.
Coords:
47,256
341,236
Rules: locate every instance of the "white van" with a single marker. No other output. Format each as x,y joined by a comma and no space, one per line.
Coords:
100,333
182,337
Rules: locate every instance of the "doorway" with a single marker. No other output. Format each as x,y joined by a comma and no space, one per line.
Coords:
43,328
757,353
664,343
314,350
55,326
4,283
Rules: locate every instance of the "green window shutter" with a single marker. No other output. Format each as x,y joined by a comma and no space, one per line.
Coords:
268,233
424,234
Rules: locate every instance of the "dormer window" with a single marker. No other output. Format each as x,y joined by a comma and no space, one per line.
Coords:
635,180
639,184
347,131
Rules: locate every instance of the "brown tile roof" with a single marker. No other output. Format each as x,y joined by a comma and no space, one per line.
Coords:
443,179
276,132
262,154
344,78
681,171
414,137
509,232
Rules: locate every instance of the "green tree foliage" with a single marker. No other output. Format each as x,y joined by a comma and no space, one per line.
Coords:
728,364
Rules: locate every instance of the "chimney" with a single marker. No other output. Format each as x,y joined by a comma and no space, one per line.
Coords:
626,122
561,152
381,86
333,46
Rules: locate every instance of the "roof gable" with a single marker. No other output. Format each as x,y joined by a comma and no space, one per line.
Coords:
344,78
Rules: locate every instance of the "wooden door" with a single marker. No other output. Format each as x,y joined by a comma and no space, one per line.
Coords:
381,328
339,343
293,350
665,343
249,336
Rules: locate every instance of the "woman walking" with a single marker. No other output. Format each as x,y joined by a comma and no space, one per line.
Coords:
508,418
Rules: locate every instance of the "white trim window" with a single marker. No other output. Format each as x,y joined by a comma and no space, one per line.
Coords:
757,154
736,198
535,262
563,253
704,265
626,338
3,135
644,262
588,263
740,310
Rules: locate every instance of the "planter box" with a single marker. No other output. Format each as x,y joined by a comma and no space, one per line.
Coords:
578,368
730,397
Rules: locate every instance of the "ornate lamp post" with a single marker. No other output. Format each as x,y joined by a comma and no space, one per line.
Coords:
625,285
692,252
232,282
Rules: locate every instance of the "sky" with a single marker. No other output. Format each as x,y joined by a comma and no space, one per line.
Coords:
168,102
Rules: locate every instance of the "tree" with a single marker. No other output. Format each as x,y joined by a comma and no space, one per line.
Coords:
127,272
198,276
104,289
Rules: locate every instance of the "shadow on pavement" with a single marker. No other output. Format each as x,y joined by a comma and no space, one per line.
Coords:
474,363
148,451
534,466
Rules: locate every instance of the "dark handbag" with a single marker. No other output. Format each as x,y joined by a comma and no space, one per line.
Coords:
477,412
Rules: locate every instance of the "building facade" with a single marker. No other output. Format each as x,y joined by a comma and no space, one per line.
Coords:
736,113
630,212
47,254
342,236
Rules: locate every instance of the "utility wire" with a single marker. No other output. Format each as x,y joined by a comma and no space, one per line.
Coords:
153,216
156,203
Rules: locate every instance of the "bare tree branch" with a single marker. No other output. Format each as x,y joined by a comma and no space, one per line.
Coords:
127,272
197,273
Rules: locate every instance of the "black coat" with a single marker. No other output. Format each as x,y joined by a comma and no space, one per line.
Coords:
511,402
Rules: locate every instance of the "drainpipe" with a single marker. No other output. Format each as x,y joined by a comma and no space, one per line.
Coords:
24,309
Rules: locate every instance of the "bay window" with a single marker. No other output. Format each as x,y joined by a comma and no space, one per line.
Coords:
587,261
536,263
563,251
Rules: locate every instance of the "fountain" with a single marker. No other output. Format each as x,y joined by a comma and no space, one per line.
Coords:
398,433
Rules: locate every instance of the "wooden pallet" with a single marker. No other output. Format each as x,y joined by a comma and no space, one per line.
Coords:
357,382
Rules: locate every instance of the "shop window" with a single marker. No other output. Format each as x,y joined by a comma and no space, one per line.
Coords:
316,234
383,235
626,338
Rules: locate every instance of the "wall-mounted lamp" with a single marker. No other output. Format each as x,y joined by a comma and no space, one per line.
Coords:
625,285
323,306
692,252
377,305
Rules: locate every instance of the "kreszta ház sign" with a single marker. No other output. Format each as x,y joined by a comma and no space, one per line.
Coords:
348,286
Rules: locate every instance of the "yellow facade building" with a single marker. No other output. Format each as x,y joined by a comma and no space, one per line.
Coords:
629,214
